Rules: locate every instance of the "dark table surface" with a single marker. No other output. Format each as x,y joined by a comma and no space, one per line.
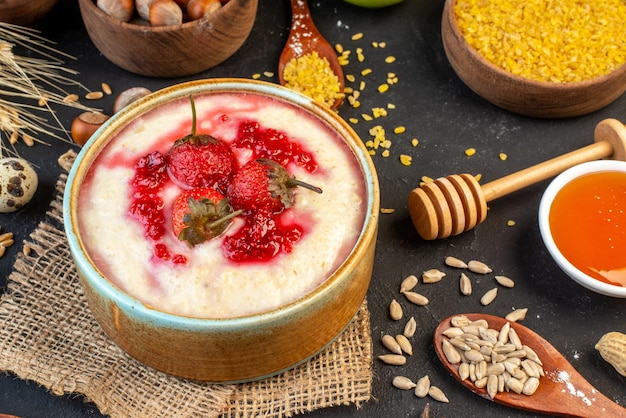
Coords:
447,118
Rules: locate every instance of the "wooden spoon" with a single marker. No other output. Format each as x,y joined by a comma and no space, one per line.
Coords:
562,391
457,203
304,38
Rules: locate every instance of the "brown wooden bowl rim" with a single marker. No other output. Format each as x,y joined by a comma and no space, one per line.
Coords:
449,14
111,21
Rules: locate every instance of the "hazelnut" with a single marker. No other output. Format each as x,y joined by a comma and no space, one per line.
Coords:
129,96
165,13
197,9
85,124
143,8
119,9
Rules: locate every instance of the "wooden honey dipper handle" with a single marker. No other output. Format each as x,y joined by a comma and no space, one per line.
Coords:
610,140
457,203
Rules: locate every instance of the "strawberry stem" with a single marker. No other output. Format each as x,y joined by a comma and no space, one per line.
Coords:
193,116
223,219
296,182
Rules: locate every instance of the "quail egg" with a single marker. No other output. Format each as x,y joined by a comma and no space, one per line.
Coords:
18,183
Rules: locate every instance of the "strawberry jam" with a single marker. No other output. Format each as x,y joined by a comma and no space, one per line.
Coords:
263,235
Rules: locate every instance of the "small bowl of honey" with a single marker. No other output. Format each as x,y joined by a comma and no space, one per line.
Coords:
582,220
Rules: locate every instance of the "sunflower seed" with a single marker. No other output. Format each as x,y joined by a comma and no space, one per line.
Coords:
515,385
451,353
404,344
410,327
517,315
464,371
393,359
492,385
459,321
479,267
455,262
481,383
530,386
505,281
416,298
530,353
422,387
437,394
503,336
465,284
403,383
391,344
408,283
432,276
489,296
453,332
395,310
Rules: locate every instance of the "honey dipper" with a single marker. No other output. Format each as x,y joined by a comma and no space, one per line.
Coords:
457,203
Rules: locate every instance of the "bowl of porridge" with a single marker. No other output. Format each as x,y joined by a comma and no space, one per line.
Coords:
248,271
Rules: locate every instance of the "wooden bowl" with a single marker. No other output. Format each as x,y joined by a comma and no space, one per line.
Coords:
522,95
170,51
24,12
242,346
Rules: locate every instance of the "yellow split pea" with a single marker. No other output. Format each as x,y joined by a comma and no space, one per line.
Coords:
557,41
311,75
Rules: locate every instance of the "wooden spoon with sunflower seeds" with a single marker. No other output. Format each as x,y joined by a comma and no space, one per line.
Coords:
562,391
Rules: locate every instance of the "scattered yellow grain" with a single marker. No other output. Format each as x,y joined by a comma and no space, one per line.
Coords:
353,121
268,74
470,151
385,153
362,85
382,44
350,77
383,88
311,75
391,106
390,59
375,44
399,130
379,112
555,41
366,117
503,156
415,142
348,90
387,210
510,222
427,179
357,36
478,177
359,55
372,152
366,71
405,159
339,48
256,76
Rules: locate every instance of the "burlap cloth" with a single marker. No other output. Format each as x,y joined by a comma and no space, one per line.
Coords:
47,335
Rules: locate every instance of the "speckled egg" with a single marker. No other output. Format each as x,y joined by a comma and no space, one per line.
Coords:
18,183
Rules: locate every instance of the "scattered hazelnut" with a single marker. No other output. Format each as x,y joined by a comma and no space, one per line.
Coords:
129,96
85,124
119,9
165,13
197,9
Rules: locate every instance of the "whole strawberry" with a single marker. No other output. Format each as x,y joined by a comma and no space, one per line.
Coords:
263,184
200,160
201,214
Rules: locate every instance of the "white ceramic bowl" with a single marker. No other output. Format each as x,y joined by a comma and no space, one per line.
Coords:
546,234
230,349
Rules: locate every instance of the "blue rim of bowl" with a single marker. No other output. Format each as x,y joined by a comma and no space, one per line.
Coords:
545,205
138,309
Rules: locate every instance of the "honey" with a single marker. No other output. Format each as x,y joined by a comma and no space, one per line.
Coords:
588,224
